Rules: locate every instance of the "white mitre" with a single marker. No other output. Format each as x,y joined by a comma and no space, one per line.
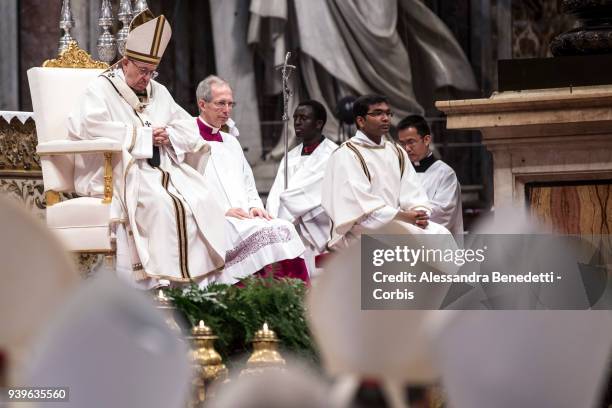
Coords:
148,38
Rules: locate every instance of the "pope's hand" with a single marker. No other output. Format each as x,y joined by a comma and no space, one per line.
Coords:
237,213
160,136
259,212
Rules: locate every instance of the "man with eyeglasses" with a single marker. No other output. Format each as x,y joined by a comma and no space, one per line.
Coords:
438,178
255,239
369,181
168,225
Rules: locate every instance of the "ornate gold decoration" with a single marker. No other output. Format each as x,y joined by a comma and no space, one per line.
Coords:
52,197
18,148
74,57
165,305
207,363
108,178
265,353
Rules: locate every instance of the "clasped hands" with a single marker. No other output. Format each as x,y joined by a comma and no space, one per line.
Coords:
160,136
241,214
415,217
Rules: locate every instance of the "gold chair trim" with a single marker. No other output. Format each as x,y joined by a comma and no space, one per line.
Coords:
74,57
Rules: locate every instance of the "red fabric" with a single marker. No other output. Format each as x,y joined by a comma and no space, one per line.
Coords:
293,268
307,150
321,259
207,132
289,268
370,383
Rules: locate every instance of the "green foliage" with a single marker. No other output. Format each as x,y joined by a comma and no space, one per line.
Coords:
236,313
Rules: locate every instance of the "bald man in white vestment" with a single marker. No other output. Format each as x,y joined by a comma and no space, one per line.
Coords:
438,178
369,181
168,225
255,239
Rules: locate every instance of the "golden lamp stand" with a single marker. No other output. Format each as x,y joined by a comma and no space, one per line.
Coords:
265,352
207,363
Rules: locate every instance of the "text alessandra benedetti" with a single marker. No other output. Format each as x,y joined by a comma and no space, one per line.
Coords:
492,277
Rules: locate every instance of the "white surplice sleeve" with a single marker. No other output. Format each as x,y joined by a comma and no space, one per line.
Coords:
444,201
182,130
273,201
253,199
412,193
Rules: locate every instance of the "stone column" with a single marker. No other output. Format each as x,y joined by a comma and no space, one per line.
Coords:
481,47
80,32
504,29
9,60
234,63
39,35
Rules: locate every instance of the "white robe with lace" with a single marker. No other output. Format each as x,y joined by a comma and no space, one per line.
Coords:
252,243
356,202
168,224
300,203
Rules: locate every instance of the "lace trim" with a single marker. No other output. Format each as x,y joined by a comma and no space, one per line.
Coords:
256,241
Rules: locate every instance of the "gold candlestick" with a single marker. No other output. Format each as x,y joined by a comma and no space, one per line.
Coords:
165,305
265,352
207,363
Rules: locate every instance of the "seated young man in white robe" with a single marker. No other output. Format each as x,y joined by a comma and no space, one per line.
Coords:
300,201
167,222
438,178
369,181
255,240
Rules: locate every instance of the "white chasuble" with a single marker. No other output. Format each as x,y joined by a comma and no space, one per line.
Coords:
300,203
254,242
444,193
366,184
168,224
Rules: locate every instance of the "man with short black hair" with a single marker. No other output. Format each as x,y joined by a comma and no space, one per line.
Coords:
438,178
300,202
370,182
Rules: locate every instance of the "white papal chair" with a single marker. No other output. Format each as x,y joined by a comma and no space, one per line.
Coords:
83,223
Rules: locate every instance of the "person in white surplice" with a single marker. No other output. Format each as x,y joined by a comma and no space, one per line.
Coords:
255,239
300,202
369,181
168,224
438,178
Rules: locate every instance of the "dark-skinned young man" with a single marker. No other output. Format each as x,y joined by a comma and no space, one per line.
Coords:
300,203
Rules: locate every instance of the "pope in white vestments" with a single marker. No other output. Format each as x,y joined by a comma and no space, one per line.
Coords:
369,181
300,202
438,178
168,224
254,239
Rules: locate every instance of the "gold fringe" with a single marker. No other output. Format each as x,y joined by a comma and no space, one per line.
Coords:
140,275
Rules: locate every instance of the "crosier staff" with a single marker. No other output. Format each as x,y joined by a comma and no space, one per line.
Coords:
286,70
